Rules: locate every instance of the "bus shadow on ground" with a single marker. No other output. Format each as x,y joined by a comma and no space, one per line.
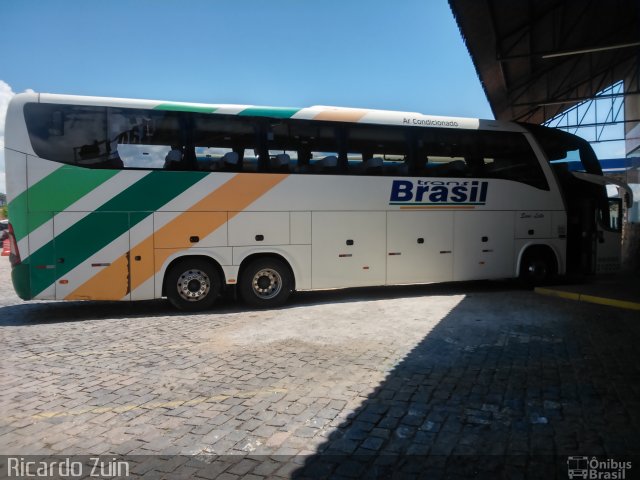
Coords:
497,390
43,312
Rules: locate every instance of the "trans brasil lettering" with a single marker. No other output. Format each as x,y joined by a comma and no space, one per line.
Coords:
436,192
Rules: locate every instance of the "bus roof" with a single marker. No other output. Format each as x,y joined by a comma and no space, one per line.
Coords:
316,112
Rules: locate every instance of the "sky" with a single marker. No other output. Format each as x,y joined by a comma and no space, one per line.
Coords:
405,55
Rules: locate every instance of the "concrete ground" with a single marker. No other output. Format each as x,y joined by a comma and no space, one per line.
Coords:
480,379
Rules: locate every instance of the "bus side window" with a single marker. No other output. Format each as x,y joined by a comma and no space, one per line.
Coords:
71,134
382,149
311,147
148,139
454,167
508,156
476,165
225,143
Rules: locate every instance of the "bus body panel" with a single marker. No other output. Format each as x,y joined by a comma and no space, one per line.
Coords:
141,257
16,180
419,247
188,233
346,250
300,228
378,265
483,245
81,282
533,224
259,229
16,136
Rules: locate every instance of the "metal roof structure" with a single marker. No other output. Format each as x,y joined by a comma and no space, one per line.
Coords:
537,58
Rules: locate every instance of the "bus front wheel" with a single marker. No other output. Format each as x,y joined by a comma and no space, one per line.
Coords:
192,284
538,266
266,283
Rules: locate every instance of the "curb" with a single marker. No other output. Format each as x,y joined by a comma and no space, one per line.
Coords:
581,297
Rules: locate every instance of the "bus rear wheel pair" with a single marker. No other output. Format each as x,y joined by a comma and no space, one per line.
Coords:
194,284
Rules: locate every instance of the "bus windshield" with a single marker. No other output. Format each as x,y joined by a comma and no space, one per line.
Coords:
564,149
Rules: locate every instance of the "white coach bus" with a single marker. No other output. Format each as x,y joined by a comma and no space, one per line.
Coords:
116,199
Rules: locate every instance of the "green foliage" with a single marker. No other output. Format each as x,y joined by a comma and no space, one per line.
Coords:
4,212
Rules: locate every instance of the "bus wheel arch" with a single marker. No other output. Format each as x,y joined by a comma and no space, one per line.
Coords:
538,264
193,282
265,280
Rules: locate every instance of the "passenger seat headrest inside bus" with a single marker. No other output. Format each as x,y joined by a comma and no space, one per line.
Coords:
281,160
375,162
230,158
174,156
330,161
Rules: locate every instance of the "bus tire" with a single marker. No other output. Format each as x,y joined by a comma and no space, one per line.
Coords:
266,283
192,284
537,267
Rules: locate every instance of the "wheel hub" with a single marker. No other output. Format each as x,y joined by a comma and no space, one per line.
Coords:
537,269
194,285
267,283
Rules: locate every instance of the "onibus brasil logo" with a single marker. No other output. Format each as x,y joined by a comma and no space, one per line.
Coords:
592,468
438,192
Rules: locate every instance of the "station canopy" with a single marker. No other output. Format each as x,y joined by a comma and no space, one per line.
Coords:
537,58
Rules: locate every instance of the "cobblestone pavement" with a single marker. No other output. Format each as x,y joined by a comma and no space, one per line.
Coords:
449,380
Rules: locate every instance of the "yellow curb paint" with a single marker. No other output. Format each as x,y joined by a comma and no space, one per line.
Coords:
611,302
557,293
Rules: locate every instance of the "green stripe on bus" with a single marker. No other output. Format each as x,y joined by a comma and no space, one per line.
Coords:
177,107
17,210
47,196
275,112
95,231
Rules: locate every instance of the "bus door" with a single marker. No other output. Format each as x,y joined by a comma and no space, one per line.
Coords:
607,231
608,236
89,248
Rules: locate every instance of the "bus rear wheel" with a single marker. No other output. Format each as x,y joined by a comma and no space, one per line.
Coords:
192,285
538,267
266,283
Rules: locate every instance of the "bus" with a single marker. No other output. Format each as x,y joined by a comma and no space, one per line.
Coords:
119,199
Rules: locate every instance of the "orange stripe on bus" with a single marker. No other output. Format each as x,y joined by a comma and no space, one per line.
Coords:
233,197
345,115
442,207
110,284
